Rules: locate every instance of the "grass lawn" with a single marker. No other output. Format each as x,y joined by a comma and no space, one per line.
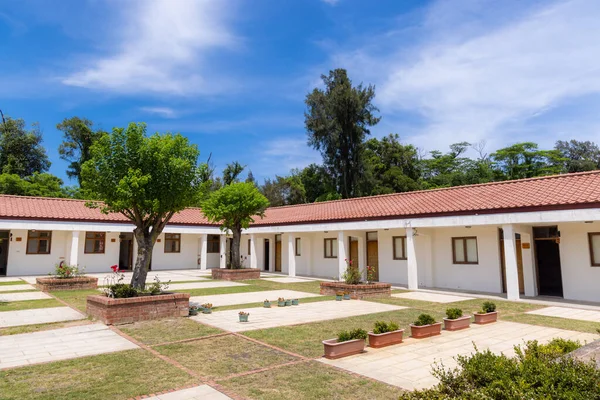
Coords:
109,376
555,322
308,381
29,304
167,330
13,283
222,356
15,330
75,298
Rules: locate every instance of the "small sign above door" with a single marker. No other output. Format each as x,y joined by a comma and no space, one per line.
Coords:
526,245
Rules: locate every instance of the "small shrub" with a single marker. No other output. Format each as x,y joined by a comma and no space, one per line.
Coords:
157,287
454,313
122,291
424,319
352,276
384,327
345,336
488,307
65,271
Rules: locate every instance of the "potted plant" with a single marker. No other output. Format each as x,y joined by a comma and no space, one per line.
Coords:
266,304
295,302
207,308
243,316
385,334
281,302
193,310
339,296
346,295
346,344
425,326
288,302
455,320
487,315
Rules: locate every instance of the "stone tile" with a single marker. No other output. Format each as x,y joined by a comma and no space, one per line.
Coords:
433,297
9,279
220,300
60,344
12,288
38,316
408,365
287,280
261,318
204,285
22,296
568,313
202,392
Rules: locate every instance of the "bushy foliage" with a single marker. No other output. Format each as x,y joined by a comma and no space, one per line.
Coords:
488,307
122,291
383,327
537,372
358,333
64,271
424,319
352,275
454,313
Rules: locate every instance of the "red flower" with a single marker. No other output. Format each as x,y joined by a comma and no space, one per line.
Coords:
115,268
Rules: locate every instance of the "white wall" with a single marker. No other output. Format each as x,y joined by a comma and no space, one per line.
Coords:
187,258
21,263
97,262
390,270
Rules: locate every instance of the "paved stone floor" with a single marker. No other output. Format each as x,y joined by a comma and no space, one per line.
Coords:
252,297
22,296
13,288
433,297
569,313
38,316
408,365
164,276
60,344
261,318
9,279
202,392
204,285
287,280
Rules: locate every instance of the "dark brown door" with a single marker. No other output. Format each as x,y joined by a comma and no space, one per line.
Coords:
267,255
373,257
519,251
278,256
4,241
547,255
354,253
126,251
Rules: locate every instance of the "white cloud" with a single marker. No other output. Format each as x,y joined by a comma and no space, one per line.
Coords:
161,46
165,112
282,154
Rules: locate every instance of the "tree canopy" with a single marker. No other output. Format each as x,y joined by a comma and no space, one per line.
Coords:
21,150
78,137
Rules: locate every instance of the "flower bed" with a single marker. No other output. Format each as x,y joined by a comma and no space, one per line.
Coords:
235,274
113,311
359,291
76,283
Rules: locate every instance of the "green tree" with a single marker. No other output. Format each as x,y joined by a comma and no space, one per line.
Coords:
232,172
146,178
525,160
44,184
78,137
234,206
21,150
283,191
337,120
579,156
318,184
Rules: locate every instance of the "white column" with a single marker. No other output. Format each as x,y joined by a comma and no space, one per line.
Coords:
510,263
362,254
203,251
223,251
411,260
341,243
307,256
74,248
291,255
253,257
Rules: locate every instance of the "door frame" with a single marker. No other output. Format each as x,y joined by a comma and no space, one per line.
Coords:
5,256
267,254
130,249
535,256
367,241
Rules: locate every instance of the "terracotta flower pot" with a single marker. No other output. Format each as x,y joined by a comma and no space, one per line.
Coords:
334,350
425,331
486,318
377,340
457,324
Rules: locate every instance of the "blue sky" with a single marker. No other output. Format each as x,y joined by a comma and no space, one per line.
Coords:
232,75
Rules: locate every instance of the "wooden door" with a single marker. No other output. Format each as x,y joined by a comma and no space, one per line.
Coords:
278,256
354,253
373,258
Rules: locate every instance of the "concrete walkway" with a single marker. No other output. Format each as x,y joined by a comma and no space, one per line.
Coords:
204,285
568,313
408,365
23,296
287,280
433,297
14,288
9,279
38,316
202,392
261,318
59,344
220,300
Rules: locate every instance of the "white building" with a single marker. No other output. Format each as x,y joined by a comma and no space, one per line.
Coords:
533,237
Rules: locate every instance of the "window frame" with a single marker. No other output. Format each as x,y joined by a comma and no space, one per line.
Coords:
212,242
591,249
403,241
94,239
298,247
330,245
466,261
169,238
37,239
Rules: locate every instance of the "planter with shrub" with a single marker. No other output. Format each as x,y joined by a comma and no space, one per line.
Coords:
385,334
66,277
295,302
207,308
346,344
487,315
193,310
288,302
266,304
346,296
425,326
239,274
354,286
281,302
455,320
243,316
339,296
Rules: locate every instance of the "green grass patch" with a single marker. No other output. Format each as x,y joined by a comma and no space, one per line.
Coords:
309,381
555,322
29,304
222,356
76,298
13,283
167,330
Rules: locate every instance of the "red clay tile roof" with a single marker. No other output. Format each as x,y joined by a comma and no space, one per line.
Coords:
566,191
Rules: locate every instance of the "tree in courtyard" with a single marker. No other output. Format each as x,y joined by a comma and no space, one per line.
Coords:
147,179
78,137
578,155
21,150
234,206
337,120
44,184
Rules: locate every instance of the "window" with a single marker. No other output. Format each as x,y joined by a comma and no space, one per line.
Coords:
213,244
249,246
39,242
399,243
464,250
330,248
298,247
172,242
594,239
94,242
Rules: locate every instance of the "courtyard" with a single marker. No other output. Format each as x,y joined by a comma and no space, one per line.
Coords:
50,349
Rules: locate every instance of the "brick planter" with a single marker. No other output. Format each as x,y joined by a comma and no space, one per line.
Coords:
377,340
485,318
123,311
235,274
334,350
457,324
357,291
425,331
78,283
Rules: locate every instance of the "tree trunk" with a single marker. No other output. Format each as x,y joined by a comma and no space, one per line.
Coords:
236,261
145,244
